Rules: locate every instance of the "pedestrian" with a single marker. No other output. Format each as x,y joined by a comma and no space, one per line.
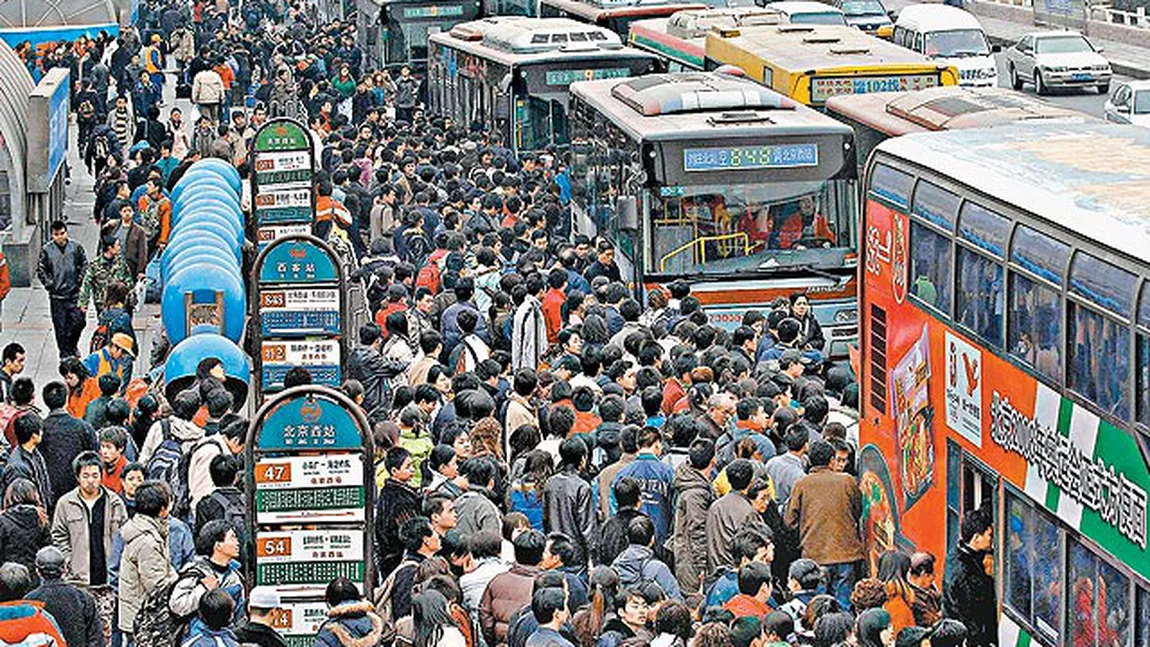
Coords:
568,505
398,501
529,326
208,94
825,507
215,568
22,619
211,628
24,523
73,608
258,629
968,592
107,268
351,621
693,496
63,438
25,460
61,269
638,565
83,388
510,591
114,359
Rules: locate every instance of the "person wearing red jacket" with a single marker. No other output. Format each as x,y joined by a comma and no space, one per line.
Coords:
553,303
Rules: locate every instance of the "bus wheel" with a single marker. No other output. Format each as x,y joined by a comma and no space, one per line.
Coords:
1015,82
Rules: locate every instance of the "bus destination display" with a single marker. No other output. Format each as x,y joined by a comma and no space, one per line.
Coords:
750,157
827,87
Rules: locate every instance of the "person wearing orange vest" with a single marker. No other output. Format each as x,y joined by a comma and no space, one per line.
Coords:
116,358
154,63
329,211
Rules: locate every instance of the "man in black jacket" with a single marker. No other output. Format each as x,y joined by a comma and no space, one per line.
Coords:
64,437
257,629
25,460
61,270
372,369
72,607
968,593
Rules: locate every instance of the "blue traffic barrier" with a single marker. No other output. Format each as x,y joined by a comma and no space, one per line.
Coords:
221,168
210,290
218,257
195,237
203,181
209,214
192,204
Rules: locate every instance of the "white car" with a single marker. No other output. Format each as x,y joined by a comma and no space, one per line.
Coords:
1129,103
952,36
1057,59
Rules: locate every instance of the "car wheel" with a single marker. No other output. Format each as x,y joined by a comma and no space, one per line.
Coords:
1039,85
1015,82
1104,88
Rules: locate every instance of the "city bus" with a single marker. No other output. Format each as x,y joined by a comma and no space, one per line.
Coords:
396,31
715,179
878,116
812,63
512,73
1005,366
616,16
680,39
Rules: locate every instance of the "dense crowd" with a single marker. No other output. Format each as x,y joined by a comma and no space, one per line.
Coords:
558,462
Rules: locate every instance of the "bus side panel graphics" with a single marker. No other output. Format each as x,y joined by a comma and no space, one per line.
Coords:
1060,454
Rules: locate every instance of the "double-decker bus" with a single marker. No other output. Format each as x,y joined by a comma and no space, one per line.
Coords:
396,31
812,63
512,73
719,181
1005,365
878,116
680,40
616,15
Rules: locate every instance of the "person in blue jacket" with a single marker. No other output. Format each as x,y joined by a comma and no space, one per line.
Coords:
655,478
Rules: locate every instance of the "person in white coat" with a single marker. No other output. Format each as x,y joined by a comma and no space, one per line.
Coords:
529,328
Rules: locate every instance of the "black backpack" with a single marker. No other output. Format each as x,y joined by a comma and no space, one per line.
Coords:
156,625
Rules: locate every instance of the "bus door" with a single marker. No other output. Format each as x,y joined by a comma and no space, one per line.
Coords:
971,484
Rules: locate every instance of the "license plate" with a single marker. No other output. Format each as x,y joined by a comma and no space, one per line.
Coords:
1081,77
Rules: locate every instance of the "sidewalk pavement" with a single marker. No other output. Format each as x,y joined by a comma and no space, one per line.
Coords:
25,316
1006,24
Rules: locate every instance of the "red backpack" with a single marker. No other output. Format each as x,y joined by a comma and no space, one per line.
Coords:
428,276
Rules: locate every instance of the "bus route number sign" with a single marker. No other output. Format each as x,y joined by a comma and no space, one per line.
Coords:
727,158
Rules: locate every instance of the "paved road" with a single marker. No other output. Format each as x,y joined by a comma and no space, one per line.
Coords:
1088,101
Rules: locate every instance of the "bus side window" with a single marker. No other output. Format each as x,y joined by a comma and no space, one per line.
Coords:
1032,566
1098,599
918,42
1142,362
980,295
1099,344
930,254
1034,332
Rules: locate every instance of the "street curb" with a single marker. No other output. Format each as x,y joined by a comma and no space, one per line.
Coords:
1125,69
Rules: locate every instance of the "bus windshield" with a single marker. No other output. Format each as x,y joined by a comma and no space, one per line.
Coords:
820,18
956,43
727,229
541,120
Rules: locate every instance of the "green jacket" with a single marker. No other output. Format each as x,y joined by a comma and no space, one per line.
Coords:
101,273
420,447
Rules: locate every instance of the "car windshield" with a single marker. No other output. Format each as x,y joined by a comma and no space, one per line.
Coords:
1062,45
828,18
1142,102
863,8
734,229
957,43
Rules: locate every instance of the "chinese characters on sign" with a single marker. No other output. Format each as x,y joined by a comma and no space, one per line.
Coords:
1090,482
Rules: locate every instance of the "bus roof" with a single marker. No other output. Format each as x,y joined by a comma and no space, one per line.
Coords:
682,36
822,48
1090,178
946,108
690,105
594,10
521,40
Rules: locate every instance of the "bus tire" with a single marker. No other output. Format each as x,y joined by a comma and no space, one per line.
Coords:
1015,82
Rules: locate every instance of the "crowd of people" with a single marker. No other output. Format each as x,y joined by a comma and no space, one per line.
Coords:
559,463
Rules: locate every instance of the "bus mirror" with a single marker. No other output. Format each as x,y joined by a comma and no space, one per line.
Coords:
627,212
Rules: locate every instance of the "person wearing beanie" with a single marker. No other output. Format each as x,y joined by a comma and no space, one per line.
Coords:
72,607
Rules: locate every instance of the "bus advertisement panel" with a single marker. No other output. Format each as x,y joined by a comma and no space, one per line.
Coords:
1004,366
690,179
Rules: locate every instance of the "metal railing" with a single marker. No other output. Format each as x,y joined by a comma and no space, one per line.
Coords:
724,241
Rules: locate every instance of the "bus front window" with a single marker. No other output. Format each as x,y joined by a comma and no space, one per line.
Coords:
543,121
758,227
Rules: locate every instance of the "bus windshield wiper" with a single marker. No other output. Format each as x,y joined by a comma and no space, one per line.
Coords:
767,266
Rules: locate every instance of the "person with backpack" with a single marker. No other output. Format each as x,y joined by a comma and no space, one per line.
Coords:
215,567
96,413
225,501
638,566
229,442
25,460
169,439
449,324
83,526
471,349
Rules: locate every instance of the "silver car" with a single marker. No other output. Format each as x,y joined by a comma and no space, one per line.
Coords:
1129,103
1057,59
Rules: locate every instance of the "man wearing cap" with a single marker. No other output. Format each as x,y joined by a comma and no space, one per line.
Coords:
257,629
21,619
72,607
115,358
